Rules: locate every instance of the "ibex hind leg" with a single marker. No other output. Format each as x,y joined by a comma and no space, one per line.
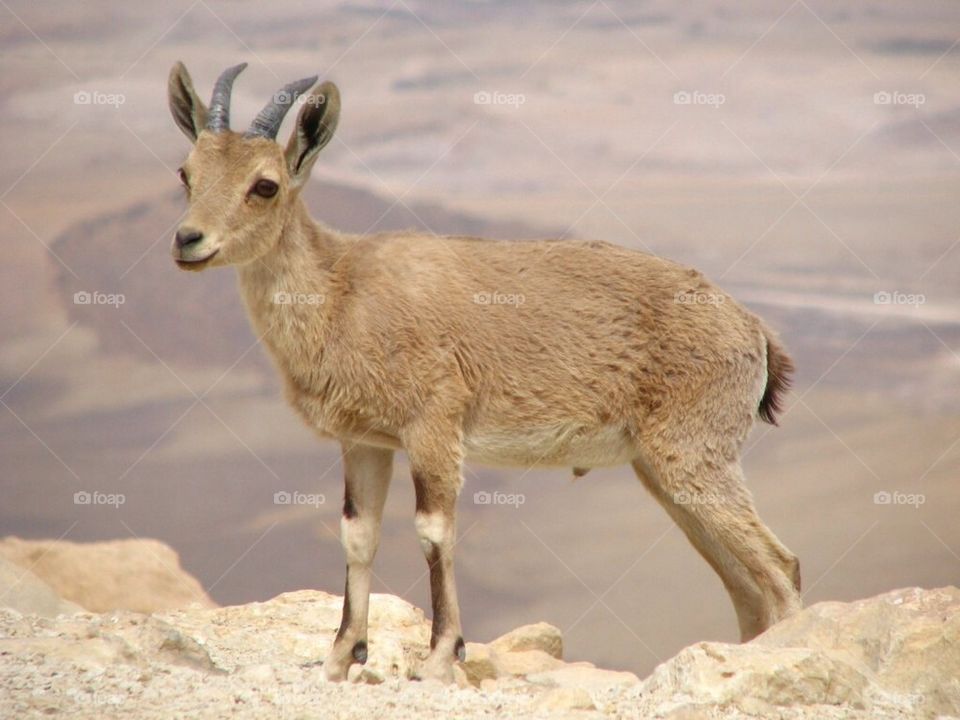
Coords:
714,509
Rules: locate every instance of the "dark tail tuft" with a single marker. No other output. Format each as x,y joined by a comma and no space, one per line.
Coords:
779,370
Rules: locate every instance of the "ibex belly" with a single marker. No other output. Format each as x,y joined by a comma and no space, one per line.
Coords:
562,446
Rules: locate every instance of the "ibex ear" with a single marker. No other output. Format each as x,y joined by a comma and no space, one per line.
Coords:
187,108
316,123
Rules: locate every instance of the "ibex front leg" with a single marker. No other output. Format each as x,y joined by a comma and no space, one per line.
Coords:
367,476
437,482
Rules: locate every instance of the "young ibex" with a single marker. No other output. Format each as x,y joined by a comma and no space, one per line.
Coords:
599,356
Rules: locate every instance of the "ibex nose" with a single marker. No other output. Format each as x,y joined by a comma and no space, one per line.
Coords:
187,236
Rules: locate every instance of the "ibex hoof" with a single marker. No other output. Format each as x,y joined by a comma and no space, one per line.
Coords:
359,652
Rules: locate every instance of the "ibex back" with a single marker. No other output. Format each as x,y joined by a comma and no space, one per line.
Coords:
536,353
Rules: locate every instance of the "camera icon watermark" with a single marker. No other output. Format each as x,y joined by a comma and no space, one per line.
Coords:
695,297
885,497
84,497
283,497
285,97
499,298
696,97
682,497
84,297
483,497
896,297
493,97
297,298
899,98
95,97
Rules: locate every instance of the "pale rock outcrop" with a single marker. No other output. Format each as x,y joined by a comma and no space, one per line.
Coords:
584,676
481,663
134,574
567,698
22,590
527,662
890,657
539,636
894,655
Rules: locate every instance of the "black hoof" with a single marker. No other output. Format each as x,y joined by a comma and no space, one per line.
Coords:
359,652
460,650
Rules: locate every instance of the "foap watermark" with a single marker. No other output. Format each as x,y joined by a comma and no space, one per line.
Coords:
696,97
688,498
896,297
899,98
913,699
499,298
93,699
85,497
283,497
495,97
484,497
298,298
283,97
696,297
95,97
84,297
885,497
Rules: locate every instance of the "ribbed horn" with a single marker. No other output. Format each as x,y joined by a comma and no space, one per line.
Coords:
267,123
219,115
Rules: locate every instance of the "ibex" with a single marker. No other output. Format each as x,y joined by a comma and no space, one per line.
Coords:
599,356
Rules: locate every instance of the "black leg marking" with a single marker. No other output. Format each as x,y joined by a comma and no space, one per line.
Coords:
460,650
419,487
345,620
360,652
349,509
436,595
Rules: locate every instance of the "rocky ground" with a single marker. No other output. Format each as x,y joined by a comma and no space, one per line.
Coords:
896,655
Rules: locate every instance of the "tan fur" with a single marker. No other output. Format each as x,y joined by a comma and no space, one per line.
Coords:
602,361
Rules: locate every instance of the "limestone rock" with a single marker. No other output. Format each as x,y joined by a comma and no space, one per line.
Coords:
753,679
460,677
907,641
891,657
23,591
527,662
539,636
300,627
587,678
135,574
570,698
894,655
482,663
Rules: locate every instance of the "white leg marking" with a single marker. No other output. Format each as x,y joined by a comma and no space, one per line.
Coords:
359,538
432,529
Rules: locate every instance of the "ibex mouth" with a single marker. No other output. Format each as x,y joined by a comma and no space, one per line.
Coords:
195,264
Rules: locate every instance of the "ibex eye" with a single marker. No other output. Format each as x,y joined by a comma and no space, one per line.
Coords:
265,188
183,177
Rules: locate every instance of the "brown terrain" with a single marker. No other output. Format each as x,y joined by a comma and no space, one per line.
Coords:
802,193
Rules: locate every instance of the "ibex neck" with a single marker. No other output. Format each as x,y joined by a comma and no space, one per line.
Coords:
302,244
291,284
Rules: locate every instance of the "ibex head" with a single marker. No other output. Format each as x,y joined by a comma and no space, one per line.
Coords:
241,187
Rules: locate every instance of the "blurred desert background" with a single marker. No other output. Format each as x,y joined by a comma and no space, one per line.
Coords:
816,164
